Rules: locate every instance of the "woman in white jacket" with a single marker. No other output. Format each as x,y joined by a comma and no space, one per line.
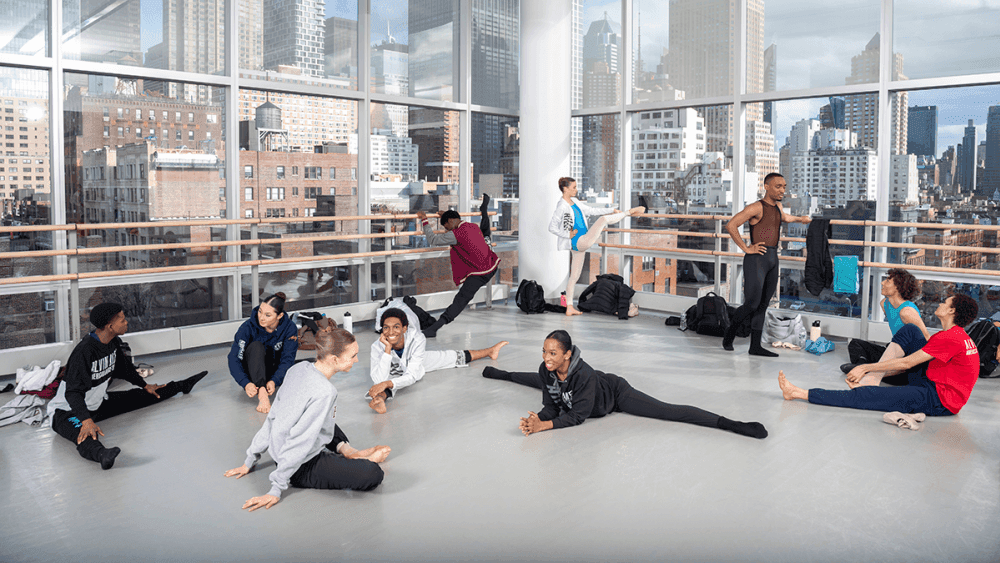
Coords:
399,358
569,223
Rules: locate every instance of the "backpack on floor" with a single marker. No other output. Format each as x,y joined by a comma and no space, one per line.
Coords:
986,336
530,297
709,316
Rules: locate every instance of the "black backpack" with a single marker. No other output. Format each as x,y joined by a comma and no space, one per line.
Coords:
986,336
709,316
530,297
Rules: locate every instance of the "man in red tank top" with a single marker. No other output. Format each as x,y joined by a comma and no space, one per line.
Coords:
760,263
473,262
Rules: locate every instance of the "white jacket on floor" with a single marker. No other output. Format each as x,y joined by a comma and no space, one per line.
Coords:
36,378
562,221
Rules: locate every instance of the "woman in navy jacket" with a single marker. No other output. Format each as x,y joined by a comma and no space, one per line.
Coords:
572,392
263,350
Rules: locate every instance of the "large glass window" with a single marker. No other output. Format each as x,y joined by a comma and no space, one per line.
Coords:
164,34
496,51
25,182
305,41
168,179
24,29
291,142
166,304
28,318
415,48
946,39
786,50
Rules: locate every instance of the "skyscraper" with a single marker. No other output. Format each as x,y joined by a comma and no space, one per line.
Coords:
434,48
861,110
340,47
251,34
294,35
921,138
496,49
991,176
770,83
831,116
576,77
703,53
193,41
967,161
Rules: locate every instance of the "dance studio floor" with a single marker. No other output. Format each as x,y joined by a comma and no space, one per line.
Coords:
463,484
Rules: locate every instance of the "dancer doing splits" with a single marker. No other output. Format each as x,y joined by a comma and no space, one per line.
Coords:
573,392
399,358
569,223
301,432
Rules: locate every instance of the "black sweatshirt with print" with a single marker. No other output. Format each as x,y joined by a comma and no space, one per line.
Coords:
91,364
586,393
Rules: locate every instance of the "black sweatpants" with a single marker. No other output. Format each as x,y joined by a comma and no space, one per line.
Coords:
465,295
328,470
628,399
864,352
120,402
760,278
258,366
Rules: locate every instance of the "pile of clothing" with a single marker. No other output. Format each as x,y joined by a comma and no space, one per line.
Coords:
35,386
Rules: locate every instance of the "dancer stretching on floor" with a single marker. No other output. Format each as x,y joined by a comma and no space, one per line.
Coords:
569,223
941,374
399,357
573,392
263,350
82,399
301,432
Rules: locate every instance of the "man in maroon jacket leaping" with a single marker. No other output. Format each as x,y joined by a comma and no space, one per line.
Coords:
473,262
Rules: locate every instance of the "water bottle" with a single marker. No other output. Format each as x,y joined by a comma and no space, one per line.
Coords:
348,322
562,299
815,332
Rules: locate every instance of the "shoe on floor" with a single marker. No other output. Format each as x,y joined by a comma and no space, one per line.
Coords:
846,368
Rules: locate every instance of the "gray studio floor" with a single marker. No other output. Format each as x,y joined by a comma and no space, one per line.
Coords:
463,484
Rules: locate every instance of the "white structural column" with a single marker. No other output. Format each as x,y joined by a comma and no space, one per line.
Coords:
546,97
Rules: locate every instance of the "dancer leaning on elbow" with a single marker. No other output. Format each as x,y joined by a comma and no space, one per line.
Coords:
573,392
301,433
400,358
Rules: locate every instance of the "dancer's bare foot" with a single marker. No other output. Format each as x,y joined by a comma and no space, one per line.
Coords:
263,403
636,211
494,351
571,310
377,403
378,454
789,391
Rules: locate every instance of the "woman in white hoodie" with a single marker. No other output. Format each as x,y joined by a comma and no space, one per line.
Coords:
399,358
569,223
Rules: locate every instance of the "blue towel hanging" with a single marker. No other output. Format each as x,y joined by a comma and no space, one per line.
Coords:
845,274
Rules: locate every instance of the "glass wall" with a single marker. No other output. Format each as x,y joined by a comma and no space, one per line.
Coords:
415,46
26,184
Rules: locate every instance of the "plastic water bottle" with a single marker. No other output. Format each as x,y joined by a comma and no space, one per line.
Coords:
562,299
815,332
348,322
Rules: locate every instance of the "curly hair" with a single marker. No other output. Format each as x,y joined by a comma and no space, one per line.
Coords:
966,309
907,285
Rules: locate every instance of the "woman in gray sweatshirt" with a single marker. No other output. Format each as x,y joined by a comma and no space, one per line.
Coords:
301,433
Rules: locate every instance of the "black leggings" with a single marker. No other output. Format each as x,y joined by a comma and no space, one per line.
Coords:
257,365
470,286
628,399
332,471
760,277
68,426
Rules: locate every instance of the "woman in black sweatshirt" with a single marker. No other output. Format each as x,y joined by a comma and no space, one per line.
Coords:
573,392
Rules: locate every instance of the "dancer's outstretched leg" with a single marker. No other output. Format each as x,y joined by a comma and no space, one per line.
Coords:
526,378
635,402
493,351
484,218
